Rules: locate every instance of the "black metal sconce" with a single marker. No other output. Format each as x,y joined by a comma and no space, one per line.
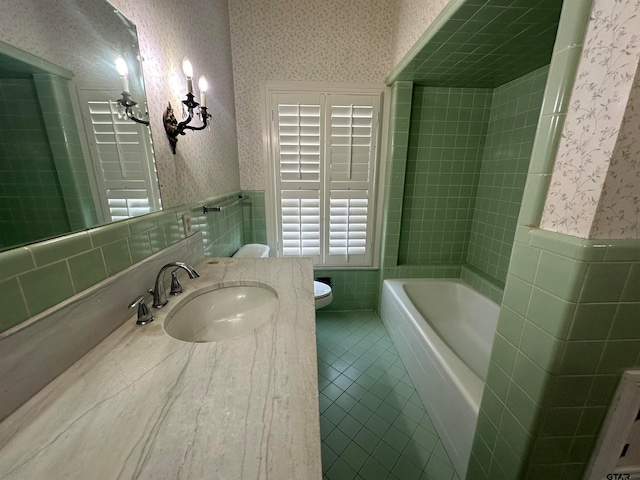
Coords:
126,102
175,128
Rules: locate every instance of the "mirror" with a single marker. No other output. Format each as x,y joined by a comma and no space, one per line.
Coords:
69,157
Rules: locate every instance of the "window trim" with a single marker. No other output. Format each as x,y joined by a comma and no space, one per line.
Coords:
271,88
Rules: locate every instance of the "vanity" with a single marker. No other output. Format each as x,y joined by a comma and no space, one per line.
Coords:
142,404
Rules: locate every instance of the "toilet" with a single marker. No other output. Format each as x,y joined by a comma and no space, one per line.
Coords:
322,291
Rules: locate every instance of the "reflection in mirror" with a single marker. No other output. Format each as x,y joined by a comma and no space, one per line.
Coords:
70,159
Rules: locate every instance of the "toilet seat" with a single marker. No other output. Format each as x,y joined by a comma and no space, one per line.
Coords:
320,290
322,294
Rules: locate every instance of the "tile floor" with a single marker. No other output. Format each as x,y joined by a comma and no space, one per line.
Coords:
372,421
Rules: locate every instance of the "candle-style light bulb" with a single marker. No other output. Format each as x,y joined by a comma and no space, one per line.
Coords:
202,85
123,71
187,68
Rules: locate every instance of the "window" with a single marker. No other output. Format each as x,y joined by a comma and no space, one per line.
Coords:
323,153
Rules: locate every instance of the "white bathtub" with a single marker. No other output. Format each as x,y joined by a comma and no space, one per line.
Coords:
443,331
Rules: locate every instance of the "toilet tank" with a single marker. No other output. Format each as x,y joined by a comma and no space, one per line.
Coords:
253,250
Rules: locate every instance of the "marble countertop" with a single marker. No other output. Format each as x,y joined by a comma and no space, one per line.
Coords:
146,406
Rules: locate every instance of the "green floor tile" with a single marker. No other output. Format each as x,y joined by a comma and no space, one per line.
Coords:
373,424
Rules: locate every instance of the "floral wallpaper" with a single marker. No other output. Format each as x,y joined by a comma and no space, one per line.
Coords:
332,41
594,132
412,17
206,164
618,213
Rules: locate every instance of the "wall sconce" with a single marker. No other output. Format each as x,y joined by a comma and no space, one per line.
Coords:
171,125
125,102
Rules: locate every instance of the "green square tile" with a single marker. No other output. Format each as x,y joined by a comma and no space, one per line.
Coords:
581,358
539,346
551,450
512,430
510,325
592,321
631,291
13,309
497,380
626,323
87,269
570,391
517,294
581,449
603,389
530,377
591,420
503,354
604,282
485,429
46,286
561,421
116,256
619,355
550,313
560,276
524,262
523,407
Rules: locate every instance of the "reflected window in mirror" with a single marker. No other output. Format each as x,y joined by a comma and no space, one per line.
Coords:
69,158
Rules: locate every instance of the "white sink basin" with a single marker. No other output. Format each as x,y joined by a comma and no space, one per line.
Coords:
222,313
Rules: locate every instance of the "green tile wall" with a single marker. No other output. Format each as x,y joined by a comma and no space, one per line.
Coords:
40,275
515,109
64,142
31,201
566,332
446,141
254,217
352,289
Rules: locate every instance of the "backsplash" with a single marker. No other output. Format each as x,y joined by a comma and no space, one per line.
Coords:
38,276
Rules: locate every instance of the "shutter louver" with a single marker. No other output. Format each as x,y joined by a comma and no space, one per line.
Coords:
299,142
348,218
300,223
324,151
122,171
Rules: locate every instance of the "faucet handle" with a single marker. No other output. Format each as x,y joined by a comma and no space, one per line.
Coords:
144,315
176,288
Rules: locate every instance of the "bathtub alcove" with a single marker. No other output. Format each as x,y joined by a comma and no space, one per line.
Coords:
471,92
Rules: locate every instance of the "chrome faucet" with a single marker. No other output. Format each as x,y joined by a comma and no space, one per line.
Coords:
159,292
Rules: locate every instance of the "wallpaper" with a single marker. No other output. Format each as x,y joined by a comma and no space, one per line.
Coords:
333,41
618,213
206,164
412,17
605,76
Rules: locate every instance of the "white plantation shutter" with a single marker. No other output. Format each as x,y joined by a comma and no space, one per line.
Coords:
121,153
324,150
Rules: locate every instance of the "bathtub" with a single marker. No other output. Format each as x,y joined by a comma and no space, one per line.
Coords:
443,331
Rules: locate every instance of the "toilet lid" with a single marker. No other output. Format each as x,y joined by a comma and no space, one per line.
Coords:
321,289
